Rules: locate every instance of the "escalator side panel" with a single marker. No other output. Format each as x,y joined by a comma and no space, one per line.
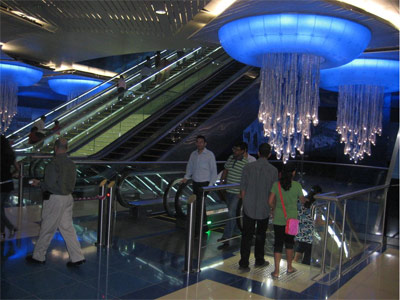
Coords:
223,129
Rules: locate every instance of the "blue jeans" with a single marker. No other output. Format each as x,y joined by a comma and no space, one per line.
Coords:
231,225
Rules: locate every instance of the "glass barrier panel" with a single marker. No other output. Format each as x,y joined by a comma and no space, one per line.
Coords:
340,178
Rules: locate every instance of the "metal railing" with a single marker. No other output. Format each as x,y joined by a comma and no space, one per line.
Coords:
341,202
192,221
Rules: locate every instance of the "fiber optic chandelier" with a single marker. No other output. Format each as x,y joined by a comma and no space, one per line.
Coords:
12,75
291,49
361,84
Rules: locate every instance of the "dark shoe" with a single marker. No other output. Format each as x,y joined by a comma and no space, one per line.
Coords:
31,260
75,264
223,246
261,263
244,268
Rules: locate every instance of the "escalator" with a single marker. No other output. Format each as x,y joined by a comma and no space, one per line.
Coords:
193,120
96,114
96,94
158,136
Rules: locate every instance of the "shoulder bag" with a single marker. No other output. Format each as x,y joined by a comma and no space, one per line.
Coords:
292,225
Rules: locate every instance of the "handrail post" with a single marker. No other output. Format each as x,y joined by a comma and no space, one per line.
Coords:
325,238
200,231
343,240
21,184
109,213
188,268
100,215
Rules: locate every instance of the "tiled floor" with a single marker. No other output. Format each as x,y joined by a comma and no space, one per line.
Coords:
146,261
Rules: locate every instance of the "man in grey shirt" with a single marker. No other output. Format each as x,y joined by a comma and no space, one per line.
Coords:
59,183
255,186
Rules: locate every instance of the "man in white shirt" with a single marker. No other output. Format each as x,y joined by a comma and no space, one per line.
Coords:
202,169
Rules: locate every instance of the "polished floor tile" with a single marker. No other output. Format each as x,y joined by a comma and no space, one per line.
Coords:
118,283
296,282
11,291
75,291
146,259
208,289
41,281
378,280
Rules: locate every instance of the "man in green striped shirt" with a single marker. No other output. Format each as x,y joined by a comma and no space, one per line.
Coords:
232,174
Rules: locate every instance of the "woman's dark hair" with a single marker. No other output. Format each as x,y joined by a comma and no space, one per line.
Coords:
316,189
286,176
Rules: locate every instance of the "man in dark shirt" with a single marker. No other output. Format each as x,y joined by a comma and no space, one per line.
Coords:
255,185
59,182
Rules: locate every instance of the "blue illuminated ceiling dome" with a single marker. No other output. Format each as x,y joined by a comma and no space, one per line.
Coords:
366,71
19,73
336,40
74,84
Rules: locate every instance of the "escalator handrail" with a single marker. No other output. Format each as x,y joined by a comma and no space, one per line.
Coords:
185,139
166,193
178,208
99,131
84,103
188,113
142,125
198,65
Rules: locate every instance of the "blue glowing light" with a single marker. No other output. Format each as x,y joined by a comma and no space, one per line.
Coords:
20,73
338,41
75,85
41,94
379,72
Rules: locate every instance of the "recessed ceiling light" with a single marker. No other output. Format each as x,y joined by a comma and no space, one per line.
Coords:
160,12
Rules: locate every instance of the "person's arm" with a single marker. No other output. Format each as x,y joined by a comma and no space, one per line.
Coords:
272,201
223,176
301,196
189,169
303,199
213,169
243,183
16,169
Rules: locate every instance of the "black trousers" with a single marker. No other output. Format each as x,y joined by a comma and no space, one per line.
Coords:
303,247
282,238
249,225
5,222
199,194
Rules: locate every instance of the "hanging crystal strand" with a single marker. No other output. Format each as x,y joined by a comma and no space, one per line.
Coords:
289,100
359,118
8,104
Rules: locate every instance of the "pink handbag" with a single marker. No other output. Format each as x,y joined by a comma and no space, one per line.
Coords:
292,225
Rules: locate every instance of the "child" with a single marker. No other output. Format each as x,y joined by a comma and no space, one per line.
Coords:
306,228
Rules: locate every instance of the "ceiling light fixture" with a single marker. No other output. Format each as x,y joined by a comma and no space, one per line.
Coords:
362,85
160,12
291,49
12,75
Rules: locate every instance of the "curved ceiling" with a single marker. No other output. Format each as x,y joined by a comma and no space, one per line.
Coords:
71,31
